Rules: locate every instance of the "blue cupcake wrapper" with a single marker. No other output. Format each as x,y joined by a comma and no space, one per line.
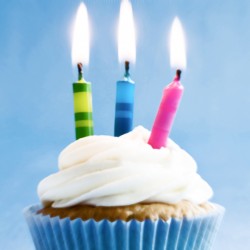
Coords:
175,234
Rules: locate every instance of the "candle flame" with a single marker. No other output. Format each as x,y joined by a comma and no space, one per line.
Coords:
126,33
80,46
177,46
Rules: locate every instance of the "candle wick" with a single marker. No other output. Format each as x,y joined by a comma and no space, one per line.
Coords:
79,67
178,74
126,75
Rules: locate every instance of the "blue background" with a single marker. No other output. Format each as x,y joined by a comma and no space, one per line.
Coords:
36,102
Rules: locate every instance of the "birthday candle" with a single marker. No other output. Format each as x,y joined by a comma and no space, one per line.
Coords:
81,88
172,93
125,88
166,113
82,106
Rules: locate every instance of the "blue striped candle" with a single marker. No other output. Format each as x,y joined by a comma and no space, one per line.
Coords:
124,107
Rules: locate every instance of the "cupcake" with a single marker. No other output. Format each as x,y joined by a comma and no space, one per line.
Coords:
120,193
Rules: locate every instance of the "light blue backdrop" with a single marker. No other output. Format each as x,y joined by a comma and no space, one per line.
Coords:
36,103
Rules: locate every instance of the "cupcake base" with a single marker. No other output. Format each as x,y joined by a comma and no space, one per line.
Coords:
139,212
187,233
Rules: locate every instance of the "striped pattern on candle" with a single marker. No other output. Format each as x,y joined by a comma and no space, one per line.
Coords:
83,109
124,107
123,118
124,110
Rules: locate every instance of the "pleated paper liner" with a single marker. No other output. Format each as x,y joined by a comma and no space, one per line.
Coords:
175,234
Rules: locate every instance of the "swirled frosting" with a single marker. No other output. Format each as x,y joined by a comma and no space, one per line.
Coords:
119,171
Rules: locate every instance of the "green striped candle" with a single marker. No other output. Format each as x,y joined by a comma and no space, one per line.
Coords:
83,106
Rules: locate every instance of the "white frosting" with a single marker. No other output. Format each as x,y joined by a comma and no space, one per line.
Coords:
118,171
